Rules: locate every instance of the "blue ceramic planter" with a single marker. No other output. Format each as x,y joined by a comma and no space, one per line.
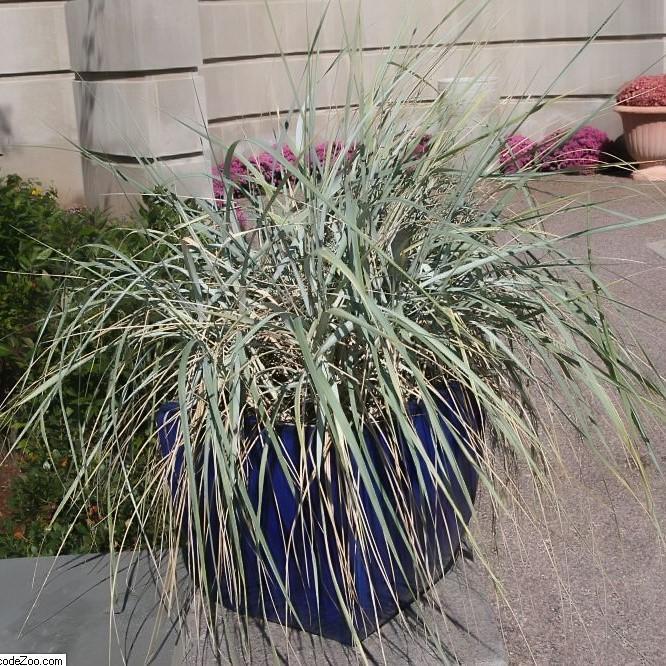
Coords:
301,535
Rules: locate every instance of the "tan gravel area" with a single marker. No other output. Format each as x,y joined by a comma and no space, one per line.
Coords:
585,582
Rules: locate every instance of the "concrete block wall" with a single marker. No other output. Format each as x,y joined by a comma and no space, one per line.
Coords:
532,48
139,96
37,108
537,41
131,79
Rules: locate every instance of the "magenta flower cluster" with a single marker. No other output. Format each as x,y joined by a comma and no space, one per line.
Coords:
583,151
422,147
330,150
518,153
644,91
237,174
273,169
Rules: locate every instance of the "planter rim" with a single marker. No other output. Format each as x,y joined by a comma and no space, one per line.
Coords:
651,110
414,407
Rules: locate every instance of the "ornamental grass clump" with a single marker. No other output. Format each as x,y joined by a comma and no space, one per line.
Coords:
387,276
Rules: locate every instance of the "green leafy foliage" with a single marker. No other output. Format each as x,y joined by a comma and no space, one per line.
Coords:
35,494
38,243
35,235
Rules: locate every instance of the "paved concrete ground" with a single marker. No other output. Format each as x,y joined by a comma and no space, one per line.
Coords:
586,584
452,624
61,605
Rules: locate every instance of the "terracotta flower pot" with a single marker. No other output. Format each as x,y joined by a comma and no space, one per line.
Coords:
645,136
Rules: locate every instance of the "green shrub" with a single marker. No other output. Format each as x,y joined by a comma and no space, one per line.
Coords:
35,495
36,233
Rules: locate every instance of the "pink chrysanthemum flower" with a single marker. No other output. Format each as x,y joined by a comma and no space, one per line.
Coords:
289,155
237,170
266,164
644,91
334,149
326,148
272,169
518,153
237,174
582,152
423,146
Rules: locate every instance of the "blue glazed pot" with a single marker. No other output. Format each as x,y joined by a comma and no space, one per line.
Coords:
302,535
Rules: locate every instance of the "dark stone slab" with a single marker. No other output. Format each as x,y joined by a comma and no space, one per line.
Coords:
62,605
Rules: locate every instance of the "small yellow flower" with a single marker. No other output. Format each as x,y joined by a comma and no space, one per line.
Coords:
36,192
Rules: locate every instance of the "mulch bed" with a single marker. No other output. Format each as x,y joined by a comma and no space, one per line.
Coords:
9,470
